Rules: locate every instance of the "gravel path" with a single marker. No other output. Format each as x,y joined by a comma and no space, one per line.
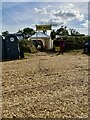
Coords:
46,85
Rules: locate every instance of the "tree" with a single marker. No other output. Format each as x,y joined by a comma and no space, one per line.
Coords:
53,35
62,31
20,31
73,32
5,33
28,31
65,31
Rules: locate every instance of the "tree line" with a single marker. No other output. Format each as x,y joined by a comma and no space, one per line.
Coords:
73,39
26,32
62,31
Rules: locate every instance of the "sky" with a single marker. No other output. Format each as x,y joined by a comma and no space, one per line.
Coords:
18,15
44,0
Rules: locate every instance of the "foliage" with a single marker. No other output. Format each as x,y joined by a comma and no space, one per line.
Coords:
20,31
62,31
27,46
53,35
5,33
73,32
27,32
74,42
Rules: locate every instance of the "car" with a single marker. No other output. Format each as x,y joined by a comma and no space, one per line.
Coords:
87,47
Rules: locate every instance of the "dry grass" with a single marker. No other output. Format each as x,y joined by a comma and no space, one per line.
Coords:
46,85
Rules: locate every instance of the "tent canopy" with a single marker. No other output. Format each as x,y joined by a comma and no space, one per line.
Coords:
40,35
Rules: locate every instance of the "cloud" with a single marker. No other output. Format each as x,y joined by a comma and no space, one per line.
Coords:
20,15
63,15
88,27
69,13
54,22
43,10
85,24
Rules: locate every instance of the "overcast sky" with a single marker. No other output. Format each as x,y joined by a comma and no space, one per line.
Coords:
18,15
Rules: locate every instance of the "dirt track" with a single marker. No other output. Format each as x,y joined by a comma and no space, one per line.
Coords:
46,85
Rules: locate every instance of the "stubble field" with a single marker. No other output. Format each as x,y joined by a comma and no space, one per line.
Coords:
46,85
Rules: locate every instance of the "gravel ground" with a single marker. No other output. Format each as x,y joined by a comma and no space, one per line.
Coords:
46,85
0,89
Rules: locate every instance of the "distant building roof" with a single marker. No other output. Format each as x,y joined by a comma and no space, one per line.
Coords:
40,35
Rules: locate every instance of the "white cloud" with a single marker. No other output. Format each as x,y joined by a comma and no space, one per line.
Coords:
70,5
85,24
63,15
43,10
88,27
69,13
28,14
54,22
83,31
79,15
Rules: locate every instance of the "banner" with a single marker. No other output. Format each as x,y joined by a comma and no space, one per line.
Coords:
43,27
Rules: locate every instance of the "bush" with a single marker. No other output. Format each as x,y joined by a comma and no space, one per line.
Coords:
73,42
27,46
